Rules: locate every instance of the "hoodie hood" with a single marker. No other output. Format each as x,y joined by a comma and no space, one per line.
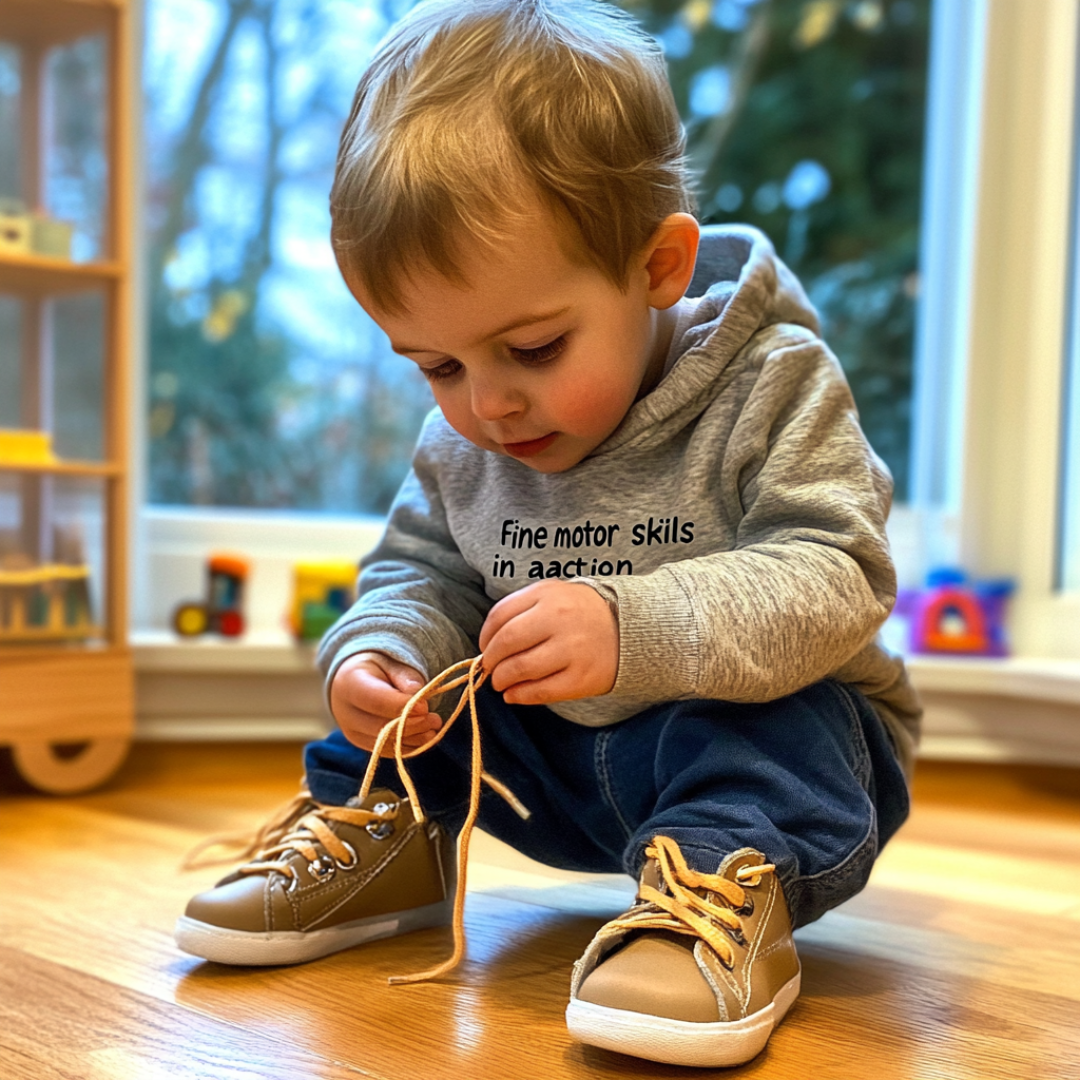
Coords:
753,290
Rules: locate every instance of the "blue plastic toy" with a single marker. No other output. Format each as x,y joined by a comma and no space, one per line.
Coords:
956,616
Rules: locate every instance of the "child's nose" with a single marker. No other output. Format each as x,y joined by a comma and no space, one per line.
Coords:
494,401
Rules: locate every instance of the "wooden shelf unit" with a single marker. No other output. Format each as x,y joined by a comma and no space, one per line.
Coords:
73,691
66,468
40,275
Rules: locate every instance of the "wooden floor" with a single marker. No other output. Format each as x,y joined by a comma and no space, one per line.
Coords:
961,960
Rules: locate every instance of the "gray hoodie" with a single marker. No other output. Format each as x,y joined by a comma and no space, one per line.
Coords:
736,517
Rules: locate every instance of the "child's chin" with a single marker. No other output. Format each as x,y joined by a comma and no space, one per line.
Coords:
548,463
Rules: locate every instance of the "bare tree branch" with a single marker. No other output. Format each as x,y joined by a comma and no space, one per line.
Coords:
257,255
192,152
752,45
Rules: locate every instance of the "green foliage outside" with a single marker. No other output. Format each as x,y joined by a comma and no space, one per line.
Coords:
270,388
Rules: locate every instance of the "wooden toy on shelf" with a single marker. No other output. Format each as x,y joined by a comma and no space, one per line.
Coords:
322,592
953,615
26,448
48,602
67,683
16,228
222,612
23,233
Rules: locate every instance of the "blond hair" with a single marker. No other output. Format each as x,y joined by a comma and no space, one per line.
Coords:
471,109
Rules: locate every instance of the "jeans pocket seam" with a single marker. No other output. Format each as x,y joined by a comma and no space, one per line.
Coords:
861,764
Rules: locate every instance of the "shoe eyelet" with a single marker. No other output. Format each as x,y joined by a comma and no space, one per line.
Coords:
322,869
381,830
737,936
354,860
747,908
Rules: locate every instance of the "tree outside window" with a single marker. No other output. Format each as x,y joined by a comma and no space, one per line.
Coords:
269,386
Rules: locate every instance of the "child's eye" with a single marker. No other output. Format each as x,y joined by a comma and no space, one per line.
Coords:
446,370
542,353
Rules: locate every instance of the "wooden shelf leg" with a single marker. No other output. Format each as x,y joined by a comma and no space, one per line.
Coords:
39,765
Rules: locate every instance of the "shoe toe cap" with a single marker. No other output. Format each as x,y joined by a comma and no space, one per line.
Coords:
240,904
655,974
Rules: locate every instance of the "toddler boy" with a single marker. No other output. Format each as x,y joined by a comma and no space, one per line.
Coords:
656,517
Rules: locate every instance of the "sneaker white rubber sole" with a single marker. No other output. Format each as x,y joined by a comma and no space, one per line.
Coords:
296,946
679,1042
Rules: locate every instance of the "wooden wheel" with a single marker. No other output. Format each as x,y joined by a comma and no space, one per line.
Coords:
39,764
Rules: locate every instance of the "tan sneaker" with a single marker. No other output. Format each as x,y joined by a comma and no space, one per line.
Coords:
331,877
698,972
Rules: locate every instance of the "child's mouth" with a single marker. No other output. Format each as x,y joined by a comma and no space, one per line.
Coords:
531,447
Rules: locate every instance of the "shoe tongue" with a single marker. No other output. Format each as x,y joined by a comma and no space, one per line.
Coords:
651,876
381,795
738,859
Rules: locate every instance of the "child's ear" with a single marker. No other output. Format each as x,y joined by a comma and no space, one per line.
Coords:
671,257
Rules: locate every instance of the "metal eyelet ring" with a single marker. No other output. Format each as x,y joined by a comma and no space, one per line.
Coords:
381,830
322,869
736,935
353,861
747,908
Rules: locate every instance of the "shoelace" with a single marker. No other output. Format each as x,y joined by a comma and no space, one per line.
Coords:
276,837
686,912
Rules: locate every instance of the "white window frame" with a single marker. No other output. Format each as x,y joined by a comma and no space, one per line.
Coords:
1010,455
990,342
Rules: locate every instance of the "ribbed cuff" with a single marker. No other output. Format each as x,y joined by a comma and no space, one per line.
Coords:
659,640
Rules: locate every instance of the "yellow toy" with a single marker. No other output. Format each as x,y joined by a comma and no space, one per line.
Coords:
26,448
322,591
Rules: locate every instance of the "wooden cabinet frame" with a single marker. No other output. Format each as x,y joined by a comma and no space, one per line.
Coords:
84,693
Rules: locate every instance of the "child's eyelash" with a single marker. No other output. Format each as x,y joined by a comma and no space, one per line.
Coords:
544,352
540,355
443,371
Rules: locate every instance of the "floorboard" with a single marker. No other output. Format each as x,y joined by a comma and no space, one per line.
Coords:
960,961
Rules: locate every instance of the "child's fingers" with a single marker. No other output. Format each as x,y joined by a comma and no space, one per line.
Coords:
523,662
509,607
376,695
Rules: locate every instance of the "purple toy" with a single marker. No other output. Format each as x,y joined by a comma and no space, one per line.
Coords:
953,615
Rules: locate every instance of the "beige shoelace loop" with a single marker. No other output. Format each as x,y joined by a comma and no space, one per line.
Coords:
685,911
471,675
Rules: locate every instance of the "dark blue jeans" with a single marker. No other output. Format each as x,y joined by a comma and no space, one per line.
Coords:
810,780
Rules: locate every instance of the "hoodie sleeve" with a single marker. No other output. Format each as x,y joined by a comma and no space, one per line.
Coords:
810,579
419,600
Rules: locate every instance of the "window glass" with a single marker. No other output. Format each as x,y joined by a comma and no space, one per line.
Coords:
10,84
74,151
269,387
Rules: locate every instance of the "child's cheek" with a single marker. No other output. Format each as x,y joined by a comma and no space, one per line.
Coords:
592,407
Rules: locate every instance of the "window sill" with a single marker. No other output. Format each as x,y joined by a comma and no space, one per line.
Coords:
264,686
1014,677
276,652
264,651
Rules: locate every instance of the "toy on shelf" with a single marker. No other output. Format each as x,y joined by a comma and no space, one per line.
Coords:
322,592
956,616
44,601
223,610
16,227
23,232
26,448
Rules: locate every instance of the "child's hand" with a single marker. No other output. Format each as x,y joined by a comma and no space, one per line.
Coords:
552,641
369,690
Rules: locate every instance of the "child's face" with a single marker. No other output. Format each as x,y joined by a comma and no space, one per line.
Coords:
538,357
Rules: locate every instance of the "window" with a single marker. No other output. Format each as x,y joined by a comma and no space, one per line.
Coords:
269,387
